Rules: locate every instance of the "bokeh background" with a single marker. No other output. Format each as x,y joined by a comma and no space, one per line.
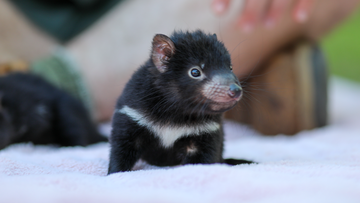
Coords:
342,49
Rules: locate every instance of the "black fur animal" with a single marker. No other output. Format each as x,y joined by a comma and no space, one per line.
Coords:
170,111
32,110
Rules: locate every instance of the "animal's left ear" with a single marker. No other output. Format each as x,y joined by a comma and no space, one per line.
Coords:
162,50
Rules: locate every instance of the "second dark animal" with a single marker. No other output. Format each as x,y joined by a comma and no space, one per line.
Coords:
33,110
170,112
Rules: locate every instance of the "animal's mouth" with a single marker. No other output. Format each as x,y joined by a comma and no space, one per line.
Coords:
220,107
222,99
221,95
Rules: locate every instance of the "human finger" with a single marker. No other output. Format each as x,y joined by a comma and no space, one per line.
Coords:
302,10
253,11
220,6
276,10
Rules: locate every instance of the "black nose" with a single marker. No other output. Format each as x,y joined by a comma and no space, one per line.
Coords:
235,91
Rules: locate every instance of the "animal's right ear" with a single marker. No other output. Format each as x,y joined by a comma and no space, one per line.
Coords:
162,50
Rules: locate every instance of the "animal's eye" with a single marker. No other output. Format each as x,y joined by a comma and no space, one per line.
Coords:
230,67
195,72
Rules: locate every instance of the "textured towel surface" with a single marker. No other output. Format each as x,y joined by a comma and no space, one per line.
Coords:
321,165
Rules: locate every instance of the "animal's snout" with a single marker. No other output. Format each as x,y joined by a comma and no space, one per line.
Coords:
235,91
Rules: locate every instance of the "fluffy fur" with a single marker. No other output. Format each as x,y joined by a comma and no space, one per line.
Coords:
32,110
168,115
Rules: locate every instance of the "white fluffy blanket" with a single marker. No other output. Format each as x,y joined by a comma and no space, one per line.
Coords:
321,165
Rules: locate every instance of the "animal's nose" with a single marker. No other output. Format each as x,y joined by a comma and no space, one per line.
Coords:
235,91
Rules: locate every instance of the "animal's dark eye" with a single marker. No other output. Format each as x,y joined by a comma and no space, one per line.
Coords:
195,72
230,67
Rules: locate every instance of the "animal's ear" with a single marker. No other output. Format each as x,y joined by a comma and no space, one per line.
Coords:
162,50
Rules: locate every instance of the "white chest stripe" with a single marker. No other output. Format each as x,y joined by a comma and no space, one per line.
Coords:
168,134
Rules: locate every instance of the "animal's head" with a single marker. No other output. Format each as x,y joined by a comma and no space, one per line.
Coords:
196,71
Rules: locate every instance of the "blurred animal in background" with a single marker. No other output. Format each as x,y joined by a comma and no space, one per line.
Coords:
33,110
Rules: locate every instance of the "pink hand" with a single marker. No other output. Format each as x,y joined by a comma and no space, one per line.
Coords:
268,12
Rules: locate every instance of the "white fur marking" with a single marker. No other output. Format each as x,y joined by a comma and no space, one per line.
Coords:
168,134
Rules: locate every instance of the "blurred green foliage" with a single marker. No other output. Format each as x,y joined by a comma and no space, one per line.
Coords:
342,49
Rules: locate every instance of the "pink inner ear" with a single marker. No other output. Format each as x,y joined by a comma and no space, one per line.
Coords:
163,49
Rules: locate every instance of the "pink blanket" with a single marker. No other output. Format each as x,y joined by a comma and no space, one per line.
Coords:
321,165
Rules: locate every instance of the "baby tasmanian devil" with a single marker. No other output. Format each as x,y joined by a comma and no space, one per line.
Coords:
170,111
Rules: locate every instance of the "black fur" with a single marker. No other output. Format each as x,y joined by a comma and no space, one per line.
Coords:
164,92
32,110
